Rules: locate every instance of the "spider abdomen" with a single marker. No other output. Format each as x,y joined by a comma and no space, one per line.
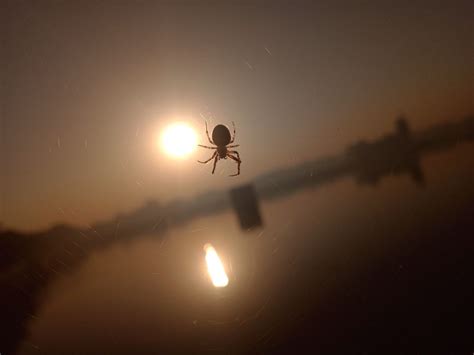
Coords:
221,135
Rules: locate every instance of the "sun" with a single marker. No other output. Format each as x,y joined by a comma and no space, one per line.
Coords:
179,140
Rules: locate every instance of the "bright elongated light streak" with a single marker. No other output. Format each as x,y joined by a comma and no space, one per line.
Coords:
215,268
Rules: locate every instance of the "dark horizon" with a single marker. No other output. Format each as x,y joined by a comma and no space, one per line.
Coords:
395,153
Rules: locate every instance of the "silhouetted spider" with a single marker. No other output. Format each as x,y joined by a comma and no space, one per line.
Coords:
221,139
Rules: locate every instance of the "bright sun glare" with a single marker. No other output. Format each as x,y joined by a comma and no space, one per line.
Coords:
179,140
215,268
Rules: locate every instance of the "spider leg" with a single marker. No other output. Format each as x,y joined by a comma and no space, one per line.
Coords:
233,136
205,146
237,160
236,153
207,133
208,160
233,146
215,162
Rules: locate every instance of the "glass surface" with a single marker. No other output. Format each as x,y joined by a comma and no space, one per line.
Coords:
347,227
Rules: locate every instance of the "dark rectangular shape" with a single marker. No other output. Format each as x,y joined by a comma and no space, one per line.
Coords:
245,201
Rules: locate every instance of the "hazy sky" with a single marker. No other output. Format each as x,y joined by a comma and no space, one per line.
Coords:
88,86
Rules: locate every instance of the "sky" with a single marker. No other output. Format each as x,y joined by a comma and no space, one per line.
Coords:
88,87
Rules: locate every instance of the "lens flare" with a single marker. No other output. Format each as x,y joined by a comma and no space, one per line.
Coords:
179,140
215,268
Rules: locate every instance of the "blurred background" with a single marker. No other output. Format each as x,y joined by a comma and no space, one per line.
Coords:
355,124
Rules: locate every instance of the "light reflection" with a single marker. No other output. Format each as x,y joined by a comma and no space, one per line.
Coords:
215,268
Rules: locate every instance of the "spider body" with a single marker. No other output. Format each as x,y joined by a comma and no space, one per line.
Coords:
221,135
221,139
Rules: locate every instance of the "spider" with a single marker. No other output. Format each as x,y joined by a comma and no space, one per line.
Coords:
221,139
